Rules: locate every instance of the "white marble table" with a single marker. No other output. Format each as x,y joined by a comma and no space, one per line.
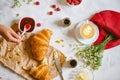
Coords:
110,68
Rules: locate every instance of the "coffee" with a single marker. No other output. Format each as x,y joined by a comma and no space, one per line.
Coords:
87,31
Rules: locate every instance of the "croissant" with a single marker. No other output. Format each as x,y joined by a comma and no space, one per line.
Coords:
40,44
41,72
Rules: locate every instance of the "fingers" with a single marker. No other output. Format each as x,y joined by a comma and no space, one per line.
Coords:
15,35
9,34
11,38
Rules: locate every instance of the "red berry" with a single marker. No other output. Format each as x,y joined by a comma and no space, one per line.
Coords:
80,1
58,9
38,24
69,1
53,6
37,3
50,13
76,2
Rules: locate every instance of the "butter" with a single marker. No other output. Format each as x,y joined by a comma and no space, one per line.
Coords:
83,76
87,31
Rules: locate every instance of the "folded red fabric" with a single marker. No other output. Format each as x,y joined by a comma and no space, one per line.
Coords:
108,21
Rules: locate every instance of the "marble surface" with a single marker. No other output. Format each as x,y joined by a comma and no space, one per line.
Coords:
110,68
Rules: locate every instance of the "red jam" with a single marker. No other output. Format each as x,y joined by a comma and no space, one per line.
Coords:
27,26
27,22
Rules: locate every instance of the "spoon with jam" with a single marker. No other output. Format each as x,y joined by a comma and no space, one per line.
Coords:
26,28
26,24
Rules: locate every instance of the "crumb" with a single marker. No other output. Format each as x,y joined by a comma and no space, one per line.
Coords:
9,49
26,68
17,14
57,41
62,40
63,46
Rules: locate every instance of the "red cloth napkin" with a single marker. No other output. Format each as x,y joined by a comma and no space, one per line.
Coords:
108,22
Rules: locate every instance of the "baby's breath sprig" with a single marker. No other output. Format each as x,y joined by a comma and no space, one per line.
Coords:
16,4
92,56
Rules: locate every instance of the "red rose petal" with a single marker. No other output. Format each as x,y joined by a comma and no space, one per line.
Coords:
53,6
38,24
58,9
37,3
50,13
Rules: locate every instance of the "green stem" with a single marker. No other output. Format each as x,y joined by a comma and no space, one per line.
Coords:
107,39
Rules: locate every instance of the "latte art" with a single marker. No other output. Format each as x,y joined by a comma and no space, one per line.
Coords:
87,31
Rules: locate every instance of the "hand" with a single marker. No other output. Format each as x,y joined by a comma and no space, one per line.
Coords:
9,34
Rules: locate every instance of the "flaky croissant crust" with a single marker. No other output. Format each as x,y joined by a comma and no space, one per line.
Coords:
41,72
40,44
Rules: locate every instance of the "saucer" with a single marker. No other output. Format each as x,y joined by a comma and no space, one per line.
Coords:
84,40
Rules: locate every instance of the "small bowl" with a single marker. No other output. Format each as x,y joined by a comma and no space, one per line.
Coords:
77,71
26,20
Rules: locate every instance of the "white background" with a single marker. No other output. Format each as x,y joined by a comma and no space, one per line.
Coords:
110,69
